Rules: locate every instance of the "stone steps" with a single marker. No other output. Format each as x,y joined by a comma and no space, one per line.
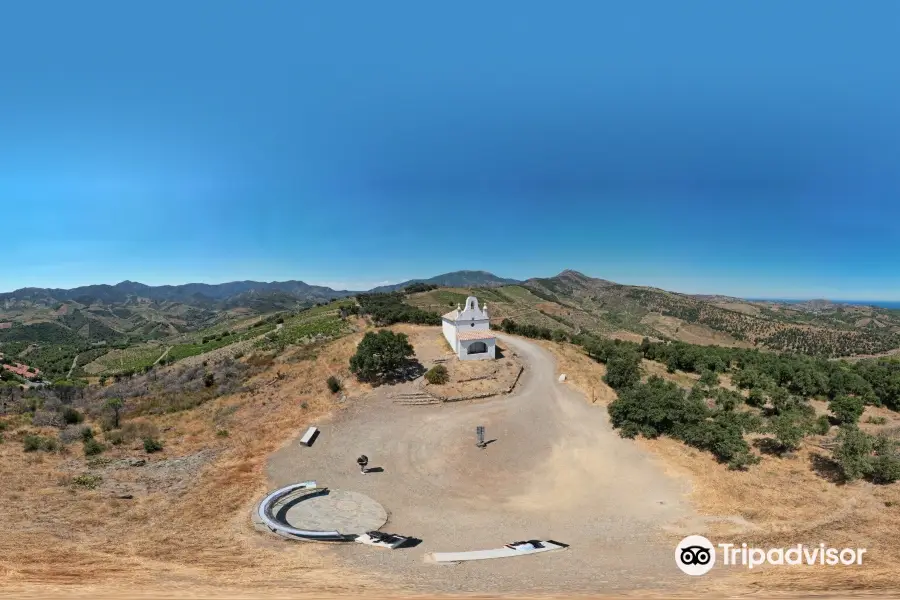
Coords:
417,401
414,398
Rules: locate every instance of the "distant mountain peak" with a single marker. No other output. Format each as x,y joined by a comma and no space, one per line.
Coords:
572,273
453,279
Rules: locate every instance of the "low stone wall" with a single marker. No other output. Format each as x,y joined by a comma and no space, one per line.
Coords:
433,390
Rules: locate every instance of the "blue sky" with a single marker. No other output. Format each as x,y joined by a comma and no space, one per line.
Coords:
745,148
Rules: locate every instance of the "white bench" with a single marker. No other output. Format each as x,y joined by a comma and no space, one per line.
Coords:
309,436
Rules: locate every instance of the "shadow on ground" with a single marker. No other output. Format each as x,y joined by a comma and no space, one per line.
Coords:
827,469
410,371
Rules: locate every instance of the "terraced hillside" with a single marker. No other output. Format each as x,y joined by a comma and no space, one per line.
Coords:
72,339
573,302
840,331
510,302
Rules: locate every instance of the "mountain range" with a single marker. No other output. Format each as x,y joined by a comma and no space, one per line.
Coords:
225,295
54,326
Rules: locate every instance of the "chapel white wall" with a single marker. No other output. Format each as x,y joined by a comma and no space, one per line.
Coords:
449,330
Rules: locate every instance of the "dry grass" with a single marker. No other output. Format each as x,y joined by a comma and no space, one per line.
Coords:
680,378
789,503
200,537
741,307
174,592
478,377
428,342
691,333
628,336
581,371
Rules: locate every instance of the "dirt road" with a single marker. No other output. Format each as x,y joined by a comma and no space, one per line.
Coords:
555,470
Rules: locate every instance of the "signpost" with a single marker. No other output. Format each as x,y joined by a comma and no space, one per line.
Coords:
479,433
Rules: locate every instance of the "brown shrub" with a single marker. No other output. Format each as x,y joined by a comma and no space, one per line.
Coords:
260,360
138,430
43,418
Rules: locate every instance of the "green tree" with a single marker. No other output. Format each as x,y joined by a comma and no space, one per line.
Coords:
853,452
709,379
723,436
756,398
645,347
885,468
846,409
886,462
623,370
380,355
728,400
821,425
784,402
115,404
656,408
788,429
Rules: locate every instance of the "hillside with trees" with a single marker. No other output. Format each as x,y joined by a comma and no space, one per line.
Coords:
789,329
768,409
574,303
60,332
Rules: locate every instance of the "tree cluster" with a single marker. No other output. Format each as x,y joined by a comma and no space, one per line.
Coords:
860,455
712,418
419,287
530,331
389,308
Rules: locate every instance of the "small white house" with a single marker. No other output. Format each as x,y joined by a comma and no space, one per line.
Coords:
468,331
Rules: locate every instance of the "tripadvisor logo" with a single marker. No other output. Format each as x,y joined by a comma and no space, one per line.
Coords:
696,555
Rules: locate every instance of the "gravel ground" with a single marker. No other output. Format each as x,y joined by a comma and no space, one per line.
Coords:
556,470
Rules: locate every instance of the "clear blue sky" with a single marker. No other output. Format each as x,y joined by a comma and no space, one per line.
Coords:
746,148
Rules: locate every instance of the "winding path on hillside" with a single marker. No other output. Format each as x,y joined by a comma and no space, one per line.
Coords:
72,368
556,470
163,355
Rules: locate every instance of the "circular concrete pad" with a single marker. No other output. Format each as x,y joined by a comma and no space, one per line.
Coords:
334,510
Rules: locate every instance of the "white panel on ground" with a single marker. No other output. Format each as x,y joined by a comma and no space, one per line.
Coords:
308,436
510,550
384,540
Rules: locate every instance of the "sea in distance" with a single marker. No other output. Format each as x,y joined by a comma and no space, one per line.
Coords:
892,304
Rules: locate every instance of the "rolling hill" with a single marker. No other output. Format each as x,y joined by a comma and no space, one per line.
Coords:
60,331
200,294
574,302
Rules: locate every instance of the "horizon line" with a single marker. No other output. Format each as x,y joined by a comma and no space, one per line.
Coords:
752,298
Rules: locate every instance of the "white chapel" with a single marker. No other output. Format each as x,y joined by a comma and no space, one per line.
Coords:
468,331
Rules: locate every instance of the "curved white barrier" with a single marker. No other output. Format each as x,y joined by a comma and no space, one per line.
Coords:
265,514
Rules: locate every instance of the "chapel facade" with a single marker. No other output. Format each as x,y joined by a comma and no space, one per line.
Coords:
468,331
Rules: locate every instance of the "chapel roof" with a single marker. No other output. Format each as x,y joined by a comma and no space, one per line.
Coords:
452,315
479,334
